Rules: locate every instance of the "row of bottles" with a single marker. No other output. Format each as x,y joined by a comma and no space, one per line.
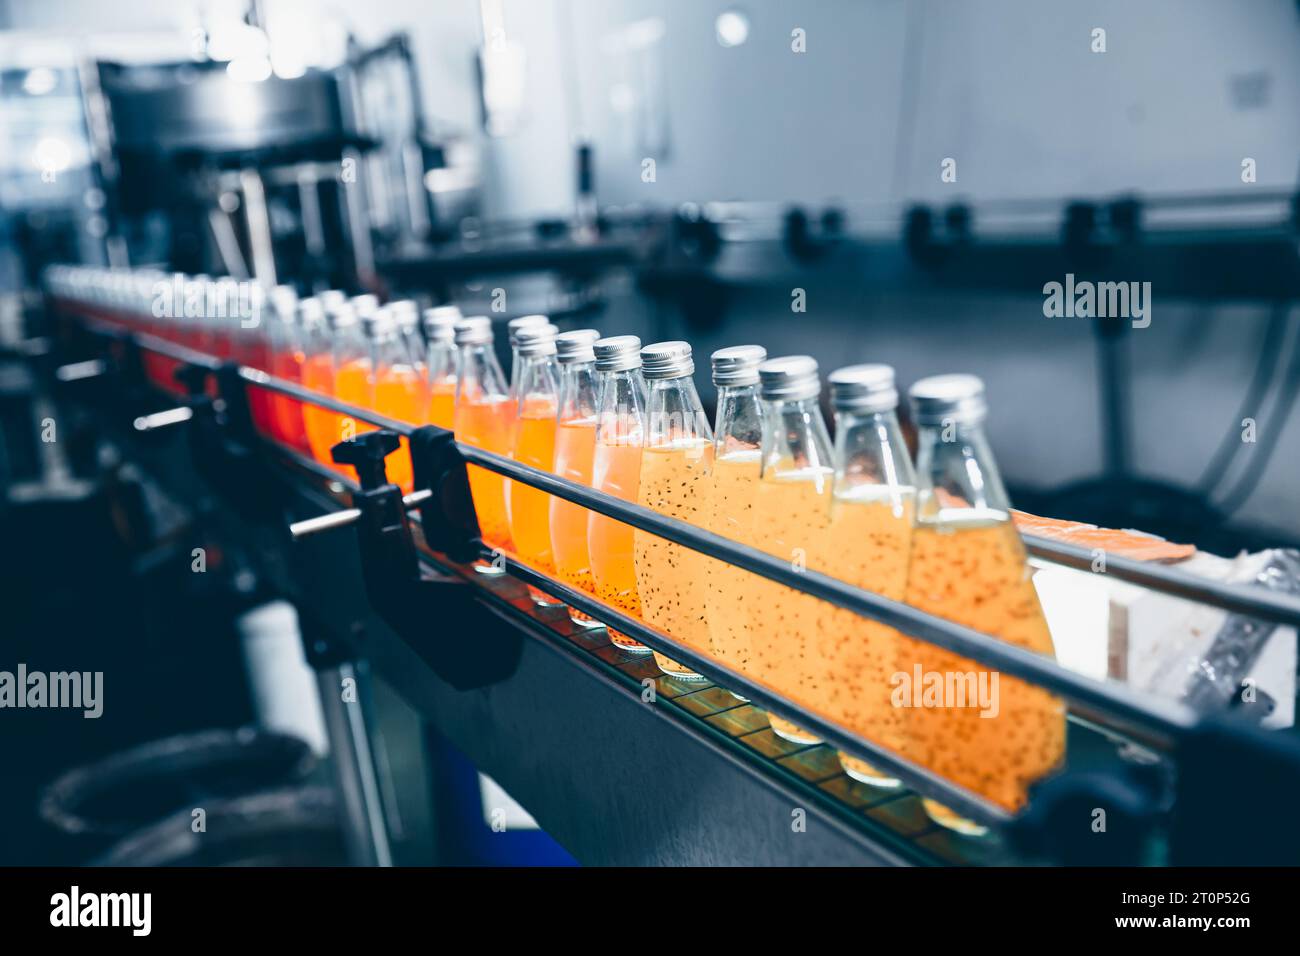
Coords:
627,420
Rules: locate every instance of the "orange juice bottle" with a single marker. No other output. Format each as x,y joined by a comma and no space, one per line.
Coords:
398,388
287,357
737,447
353,381
323,426
483,416
406,313
536,406
791,511
440,363
968,565
513,328
676,476
867,544
575,447
616,470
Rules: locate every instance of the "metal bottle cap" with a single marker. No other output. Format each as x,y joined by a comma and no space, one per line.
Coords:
575,347
365,304
440,322
737,365
863,388
667,360
959,398
523,322
475,330
405,312
536,340
618,353
310,311
790,378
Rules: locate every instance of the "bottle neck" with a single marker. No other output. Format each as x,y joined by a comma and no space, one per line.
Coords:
740,420
796,443
620,417
957,478
440,360
578,398
478,375
350,345
674,413
870,453
537,387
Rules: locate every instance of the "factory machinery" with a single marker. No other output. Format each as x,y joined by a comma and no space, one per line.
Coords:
619,762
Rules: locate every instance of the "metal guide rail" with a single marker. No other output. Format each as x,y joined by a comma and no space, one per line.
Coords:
446,531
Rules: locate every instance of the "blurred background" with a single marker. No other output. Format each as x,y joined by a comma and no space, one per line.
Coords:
883,181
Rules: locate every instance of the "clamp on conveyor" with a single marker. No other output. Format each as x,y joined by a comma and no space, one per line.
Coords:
463,642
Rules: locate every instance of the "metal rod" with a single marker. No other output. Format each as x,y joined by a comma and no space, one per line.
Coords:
77,371
1236,598
173,416
365,831
341,519
273,384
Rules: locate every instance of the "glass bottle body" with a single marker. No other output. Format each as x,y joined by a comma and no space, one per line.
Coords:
676,472
737,464
616,470
575,449
867,544
967,565
482,419
791,512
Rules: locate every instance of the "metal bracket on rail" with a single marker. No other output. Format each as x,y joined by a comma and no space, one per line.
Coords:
448,519
223,443
438,617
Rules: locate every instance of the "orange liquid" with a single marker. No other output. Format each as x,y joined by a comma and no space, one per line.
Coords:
575,447
486,424
867,545
731,514
399,395
352,385
442,404
287,411
530,509
675,481
974,573
323,426
791,513
616,470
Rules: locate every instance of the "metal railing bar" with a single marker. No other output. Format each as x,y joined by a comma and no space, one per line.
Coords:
1150,720
1236,598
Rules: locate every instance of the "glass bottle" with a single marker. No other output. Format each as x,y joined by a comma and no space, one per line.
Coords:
287,358
536,405
398,389
353,378
575,447
676,473
791,511
483,420
867,545
317,373
616,470
513,328
406,313
737,452
440,363
968,566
